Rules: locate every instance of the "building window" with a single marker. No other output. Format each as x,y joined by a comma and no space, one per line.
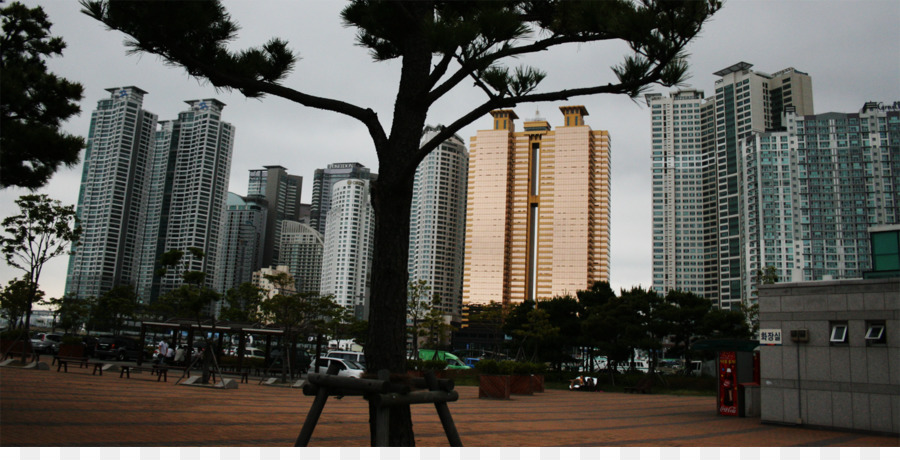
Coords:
839,334
875,334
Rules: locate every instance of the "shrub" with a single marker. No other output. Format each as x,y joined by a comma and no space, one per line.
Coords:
492,367
488,367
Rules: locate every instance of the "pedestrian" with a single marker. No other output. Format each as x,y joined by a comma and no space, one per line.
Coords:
163,350
170,354
179,355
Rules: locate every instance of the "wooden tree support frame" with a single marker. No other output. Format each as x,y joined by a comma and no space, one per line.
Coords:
382,394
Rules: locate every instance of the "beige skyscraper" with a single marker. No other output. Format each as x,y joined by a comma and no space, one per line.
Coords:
537,219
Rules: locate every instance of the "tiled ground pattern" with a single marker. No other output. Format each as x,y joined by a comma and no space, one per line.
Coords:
46,408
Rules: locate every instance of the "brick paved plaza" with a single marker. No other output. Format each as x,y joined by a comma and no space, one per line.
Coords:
46,408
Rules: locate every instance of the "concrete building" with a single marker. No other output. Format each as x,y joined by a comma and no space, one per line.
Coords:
281,192
838,364
323,184
812,190
242,242
114,185
538,204
186,206
301,251
438,221
701,156
349,245
270,289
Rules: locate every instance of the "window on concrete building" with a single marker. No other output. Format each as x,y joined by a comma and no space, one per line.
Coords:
838,333
875,333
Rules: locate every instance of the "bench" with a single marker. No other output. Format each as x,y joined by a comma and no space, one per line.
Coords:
643,387
162,371
125,370
63,363
98,367
69,353
19,348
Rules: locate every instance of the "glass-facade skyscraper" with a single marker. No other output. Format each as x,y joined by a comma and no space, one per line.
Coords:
281,192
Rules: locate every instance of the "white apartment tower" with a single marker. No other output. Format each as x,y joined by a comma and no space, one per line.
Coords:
438,220
697,243
114,184
323,184
301,252
349,244
683,217
813,190
186,207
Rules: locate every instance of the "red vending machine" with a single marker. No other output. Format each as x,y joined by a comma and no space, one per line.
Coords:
728,389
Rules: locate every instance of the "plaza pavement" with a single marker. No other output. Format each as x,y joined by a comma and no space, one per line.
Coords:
47,408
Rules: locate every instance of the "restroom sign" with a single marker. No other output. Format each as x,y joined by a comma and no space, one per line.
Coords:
770,336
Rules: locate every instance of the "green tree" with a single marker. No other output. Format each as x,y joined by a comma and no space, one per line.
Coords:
114,307
685,313
419,305
595,297
15,298
72,312
42,230
435,329
33,101
439,45
243,303
768,275
538,329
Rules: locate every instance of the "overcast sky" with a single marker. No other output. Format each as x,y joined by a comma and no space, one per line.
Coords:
851,49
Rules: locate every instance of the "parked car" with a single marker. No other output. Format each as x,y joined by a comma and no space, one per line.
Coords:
44,343
301,359
356,356
346,367
118,348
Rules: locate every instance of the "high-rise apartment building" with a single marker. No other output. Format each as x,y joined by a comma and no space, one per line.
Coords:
813,189
746,101
281,192
323,184
186,205
242,241
538,209
685,252
301,252
437,220
349,245
114,184
701,156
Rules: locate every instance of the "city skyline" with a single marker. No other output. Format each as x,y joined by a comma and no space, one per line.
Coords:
273,131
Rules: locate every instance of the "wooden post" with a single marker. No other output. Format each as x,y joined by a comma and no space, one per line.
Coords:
444,413
312,418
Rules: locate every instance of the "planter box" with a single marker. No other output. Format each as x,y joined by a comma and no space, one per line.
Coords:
537,383
521,385
494,386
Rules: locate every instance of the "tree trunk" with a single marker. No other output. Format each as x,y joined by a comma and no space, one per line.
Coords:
386,349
